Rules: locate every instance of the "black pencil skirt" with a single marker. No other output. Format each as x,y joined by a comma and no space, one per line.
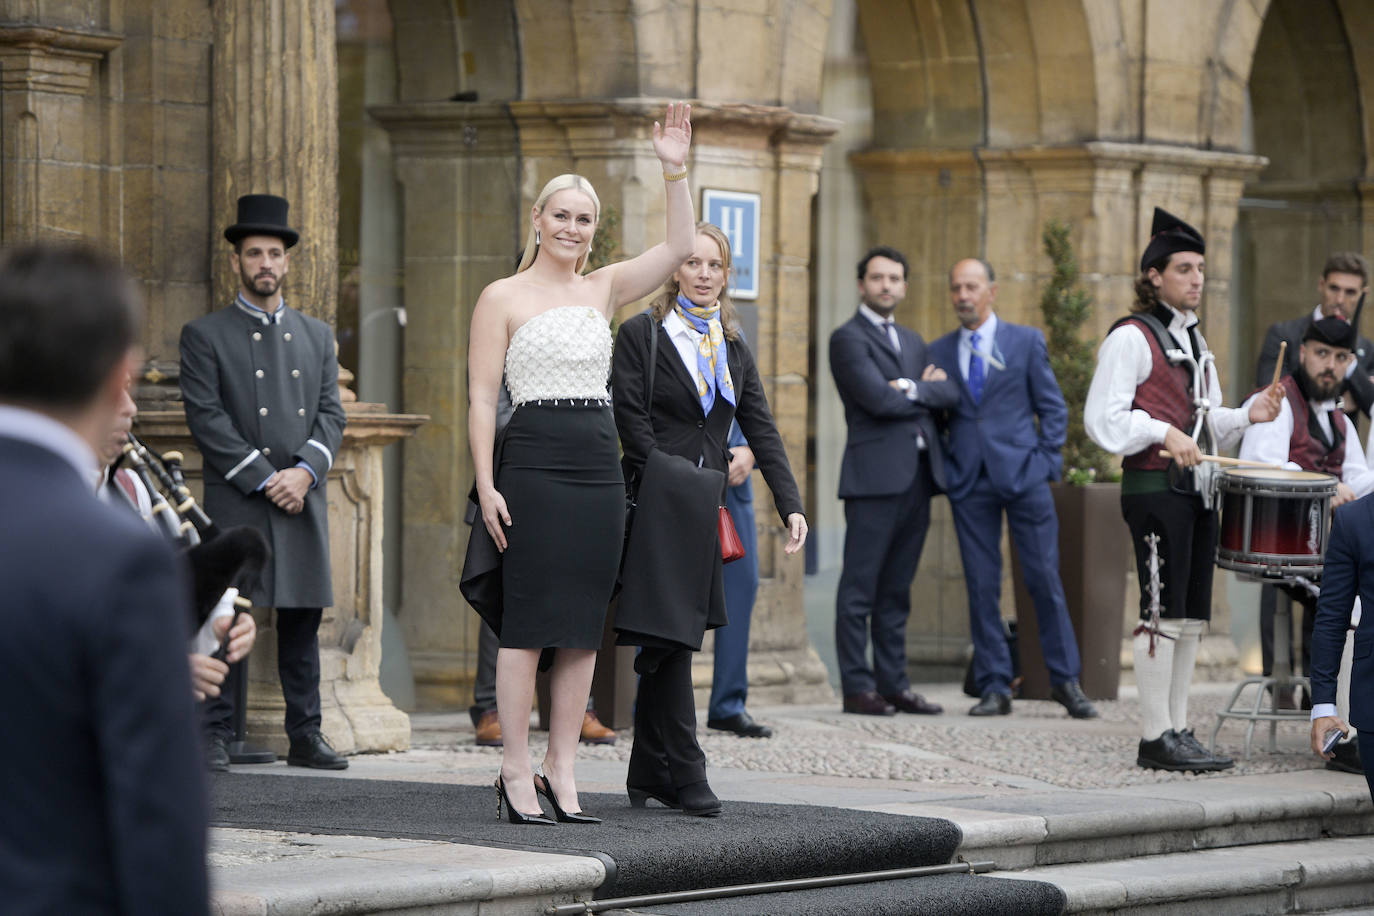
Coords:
560,475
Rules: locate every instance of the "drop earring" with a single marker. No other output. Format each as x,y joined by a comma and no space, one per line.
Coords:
536,237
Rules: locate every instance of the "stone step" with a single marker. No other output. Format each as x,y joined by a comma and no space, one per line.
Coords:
1051,828
1266,878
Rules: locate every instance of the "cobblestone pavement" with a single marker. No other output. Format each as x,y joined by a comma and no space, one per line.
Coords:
1037,747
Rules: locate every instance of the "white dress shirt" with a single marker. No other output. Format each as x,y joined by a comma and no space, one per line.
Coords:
1123,364
686,339
1268,442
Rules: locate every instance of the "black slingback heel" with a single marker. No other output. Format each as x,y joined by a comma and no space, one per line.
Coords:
514,816
545,788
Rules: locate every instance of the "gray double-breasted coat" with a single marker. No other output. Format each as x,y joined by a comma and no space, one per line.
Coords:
262,396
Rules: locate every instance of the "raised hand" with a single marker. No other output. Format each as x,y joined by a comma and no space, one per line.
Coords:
673,138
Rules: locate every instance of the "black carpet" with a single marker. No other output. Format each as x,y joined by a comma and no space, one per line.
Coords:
646,851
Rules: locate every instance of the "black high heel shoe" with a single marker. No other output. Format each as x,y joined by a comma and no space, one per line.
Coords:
545,788
514,816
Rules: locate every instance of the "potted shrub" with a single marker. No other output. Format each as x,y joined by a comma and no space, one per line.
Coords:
1094,543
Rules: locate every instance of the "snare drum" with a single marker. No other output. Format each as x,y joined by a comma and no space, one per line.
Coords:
1274,522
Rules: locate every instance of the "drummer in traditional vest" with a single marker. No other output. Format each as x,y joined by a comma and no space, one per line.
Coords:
1312,433
1142,400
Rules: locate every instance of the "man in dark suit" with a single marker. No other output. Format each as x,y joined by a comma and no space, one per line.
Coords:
105,802
1005,434
1345,278
1345,577
261,386
891,466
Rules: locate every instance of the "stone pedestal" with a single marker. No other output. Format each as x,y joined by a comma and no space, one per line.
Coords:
358,717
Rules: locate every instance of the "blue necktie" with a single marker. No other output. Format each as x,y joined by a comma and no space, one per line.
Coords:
975,370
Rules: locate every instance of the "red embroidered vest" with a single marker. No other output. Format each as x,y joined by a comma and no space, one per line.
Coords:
1164,395
1306,450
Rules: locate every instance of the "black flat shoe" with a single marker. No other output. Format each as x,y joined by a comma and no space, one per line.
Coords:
514,816
1070,695
993,703
664,795
545,788
741,724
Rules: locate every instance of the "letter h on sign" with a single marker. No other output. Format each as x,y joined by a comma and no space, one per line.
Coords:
737,215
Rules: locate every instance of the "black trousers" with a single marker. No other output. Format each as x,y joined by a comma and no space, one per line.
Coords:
1187,546
1269,599
665,751
298,665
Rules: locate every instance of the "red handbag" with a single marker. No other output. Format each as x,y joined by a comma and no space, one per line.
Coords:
731,547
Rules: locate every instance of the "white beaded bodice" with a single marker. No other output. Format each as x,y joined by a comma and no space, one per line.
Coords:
562,353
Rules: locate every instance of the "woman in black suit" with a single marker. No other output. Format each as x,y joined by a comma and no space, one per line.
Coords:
704,377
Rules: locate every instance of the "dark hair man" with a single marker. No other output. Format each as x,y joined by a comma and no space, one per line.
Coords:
1345,278
260,382
892,464
1141,400
105,805
1005,434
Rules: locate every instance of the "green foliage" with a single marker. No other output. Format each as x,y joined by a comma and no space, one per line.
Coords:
1066,307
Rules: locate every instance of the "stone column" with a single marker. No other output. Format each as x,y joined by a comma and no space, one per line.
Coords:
459,174
275,130
53,181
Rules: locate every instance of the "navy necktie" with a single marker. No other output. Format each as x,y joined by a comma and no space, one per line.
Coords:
975,370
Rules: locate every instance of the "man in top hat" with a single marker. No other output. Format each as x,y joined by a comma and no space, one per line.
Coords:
1312,433
1141,402
1344,281
260,382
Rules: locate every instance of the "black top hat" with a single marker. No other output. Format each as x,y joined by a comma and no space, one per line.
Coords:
262,214
1169,234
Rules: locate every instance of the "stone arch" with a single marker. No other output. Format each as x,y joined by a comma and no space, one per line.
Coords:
1307,96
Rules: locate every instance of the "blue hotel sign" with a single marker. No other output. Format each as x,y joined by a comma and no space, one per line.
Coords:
737,215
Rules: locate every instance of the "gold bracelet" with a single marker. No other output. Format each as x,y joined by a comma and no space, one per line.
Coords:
676,176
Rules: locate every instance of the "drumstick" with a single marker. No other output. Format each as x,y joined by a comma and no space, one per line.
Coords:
1278,366
1231,462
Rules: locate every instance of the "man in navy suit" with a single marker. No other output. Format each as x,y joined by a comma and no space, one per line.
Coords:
892,464
1345,577
105,805
1005,433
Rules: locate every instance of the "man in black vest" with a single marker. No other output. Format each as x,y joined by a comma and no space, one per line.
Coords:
260,382
1312,433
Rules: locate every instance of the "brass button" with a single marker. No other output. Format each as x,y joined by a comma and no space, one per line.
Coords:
300,412
257,335
295,373
262,411
259,373
286,336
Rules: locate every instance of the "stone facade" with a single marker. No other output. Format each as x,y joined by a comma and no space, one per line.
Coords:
944,127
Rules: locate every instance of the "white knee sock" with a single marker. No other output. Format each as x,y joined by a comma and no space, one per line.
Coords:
1187,633
1152,677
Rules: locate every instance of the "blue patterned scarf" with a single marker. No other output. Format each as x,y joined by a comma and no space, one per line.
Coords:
713,371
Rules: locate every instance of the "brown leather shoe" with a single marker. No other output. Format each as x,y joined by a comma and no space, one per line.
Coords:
868,703
489,730
908,701
593,732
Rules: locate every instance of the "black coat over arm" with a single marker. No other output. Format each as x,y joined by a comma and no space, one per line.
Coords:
685,610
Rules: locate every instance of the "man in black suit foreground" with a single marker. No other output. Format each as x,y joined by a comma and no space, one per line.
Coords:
105,803
892,464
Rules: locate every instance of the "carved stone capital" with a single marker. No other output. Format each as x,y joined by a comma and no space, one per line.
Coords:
48,59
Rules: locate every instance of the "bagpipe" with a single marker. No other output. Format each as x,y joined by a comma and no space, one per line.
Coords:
219,558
